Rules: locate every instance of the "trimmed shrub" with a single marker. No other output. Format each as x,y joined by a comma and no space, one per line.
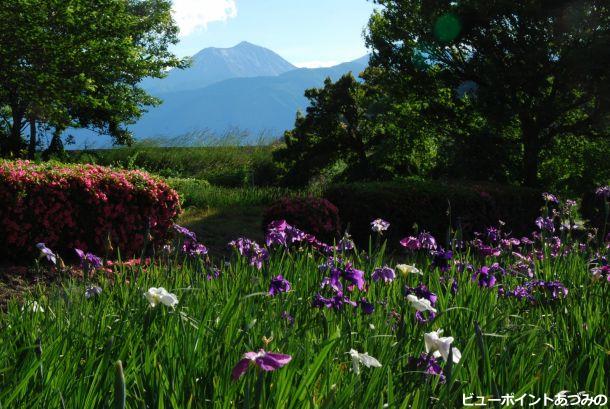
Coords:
81,206
434,206
593,208
311,214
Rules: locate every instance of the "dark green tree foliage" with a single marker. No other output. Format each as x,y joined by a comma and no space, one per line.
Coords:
79,62
335,128
529,70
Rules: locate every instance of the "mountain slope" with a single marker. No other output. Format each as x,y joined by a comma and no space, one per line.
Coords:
213,65
262,104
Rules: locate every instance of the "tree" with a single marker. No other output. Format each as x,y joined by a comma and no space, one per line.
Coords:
537,66
335,128
79,62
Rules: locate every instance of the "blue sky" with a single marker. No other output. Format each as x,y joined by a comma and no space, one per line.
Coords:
308,33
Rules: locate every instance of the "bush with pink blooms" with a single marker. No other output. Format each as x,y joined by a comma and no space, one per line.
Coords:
311,214
81,206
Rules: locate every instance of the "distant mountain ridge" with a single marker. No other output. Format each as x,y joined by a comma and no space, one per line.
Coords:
246,87
212,65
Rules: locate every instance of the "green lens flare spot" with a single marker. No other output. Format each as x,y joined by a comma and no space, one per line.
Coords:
447,28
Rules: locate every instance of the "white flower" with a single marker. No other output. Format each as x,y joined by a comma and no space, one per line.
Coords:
440,346
405,269
160,295
379,225
420,304
364,359
32,306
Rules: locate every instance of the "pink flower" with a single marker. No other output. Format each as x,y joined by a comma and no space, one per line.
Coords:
267,361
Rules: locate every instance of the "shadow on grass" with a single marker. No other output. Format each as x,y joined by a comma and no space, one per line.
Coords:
217,227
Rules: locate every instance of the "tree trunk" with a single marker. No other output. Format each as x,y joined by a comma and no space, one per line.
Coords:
531,155
32,146
14,143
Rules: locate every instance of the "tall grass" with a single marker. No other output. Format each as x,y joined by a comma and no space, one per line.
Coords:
230,166
182,358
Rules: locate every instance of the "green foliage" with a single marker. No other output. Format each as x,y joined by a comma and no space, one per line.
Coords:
199,193
433,206
183,358
79,63
228,166
334,128
534,70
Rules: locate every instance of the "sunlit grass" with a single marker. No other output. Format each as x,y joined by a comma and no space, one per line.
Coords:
183,358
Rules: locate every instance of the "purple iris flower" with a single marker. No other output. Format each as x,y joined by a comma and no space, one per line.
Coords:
185,232
88,261
428,242
288,317
385,273
267,361
335,302
485,277
47,253
251,250
279,285
545,223
379,225
345,244
410,243
550,198
441,259
354,276
428,364
366,307
538,291
281,233
603,192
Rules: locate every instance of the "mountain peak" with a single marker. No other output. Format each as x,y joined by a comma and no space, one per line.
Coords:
212,65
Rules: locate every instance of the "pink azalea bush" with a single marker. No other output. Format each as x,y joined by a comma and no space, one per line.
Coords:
81,206
311,214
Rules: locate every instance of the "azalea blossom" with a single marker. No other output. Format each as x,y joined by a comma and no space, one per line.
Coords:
160,295
267,361
420,304
440,346
364,359
379,225
405,269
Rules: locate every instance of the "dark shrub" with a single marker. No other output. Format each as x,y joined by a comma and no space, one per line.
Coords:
593,209
310,214
434,206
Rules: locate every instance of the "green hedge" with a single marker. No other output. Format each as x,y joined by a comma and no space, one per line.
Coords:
433,206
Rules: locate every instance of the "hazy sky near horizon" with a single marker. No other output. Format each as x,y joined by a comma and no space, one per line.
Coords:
308,33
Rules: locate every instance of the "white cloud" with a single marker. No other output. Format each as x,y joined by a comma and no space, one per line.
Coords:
191,15
317,64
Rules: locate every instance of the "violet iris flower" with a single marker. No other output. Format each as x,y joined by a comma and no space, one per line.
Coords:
545,223
279,285
47,253
366,307
251,250
379,225
385,273
441,259
88,261
427,364
267,361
